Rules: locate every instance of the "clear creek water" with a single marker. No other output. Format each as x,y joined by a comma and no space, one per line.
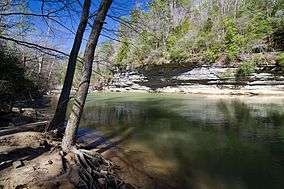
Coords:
195,141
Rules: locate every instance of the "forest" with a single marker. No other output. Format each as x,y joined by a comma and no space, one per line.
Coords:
198,31
63,62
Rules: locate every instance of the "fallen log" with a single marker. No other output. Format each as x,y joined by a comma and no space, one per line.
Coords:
37,126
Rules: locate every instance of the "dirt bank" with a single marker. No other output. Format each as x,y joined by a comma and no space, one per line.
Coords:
34,160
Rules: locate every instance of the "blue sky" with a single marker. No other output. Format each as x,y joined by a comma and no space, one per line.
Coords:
62,38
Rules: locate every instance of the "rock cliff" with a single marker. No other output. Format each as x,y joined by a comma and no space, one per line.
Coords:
213,79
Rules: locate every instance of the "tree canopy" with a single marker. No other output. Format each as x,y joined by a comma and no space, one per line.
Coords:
207,30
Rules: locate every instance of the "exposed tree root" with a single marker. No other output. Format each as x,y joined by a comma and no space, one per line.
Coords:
35,160
95,172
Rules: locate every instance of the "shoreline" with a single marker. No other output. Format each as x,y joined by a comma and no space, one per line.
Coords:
44,165
201,91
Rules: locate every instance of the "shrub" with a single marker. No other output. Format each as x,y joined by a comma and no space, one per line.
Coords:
211,54
246,69
280,59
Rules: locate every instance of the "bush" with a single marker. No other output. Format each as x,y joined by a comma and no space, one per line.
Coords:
280,59
246,69
211,54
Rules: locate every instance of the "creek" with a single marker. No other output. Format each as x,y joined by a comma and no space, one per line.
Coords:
196,141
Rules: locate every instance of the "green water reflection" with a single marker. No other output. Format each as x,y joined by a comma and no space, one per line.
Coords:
211,142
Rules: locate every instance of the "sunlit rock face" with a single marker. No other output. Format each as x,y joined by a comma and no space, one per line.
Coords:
217,79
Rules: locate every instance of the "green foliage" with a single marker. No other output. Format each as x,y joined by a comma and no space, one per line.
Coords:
246,69
208,25
233,40
148,40
208,45
257,30
177,55
211,54
175,44
177,33
180,30
280,59
158,5
122,53
262,59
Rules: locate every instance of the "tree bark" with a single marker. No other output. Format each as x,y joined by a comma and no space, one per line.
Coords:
79,102
60,113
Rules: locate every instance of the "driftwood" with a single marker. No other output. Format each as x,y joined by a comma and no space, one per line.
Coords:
38,126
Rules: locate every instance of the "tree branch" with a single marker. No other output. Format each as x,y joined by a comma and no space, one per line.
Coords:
25,14
35,46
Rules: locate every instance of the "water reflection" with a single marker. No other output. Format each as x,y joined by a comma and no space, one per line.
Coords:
195,141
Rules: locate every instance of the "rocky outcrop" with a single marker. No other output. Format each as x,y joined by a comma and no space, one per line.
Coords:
213,79
128,81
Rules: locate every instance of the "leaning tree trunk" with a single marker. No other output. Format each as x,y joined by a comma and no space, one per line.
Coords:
79,102
60,113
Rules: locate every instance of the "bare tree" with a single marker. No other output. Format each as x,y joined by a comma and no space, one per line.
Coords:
60,113
77,109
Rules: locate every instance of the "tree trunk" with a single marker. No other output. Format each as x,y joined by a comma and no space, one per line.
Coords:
79,102
60,113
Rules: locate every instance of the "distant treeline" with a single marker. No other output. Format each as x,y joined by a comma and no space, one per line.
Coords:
197,31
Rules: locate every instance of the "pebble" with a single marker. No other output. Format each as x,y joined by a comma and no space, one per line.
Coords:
18,164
